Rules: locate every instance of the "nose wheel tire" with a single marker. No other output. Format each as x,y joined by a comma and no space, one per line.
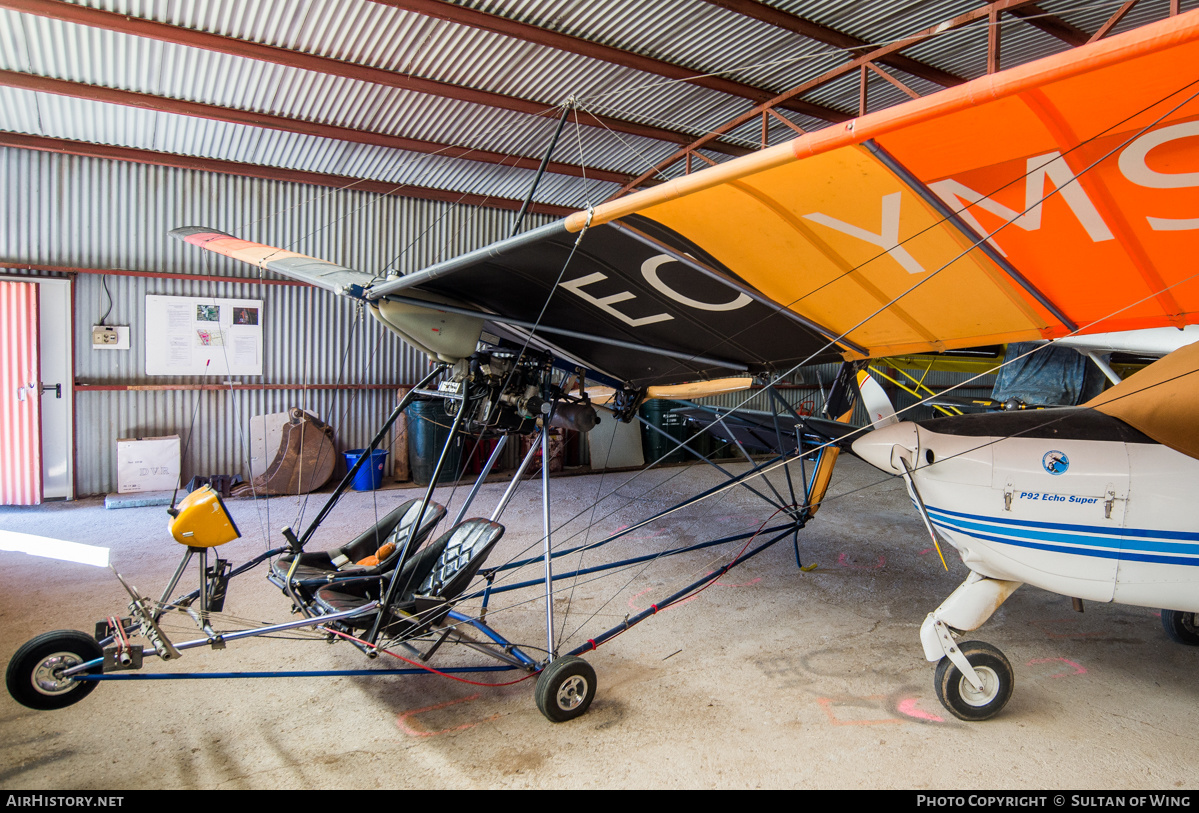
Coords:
1180,627
565,689
962,699
35,678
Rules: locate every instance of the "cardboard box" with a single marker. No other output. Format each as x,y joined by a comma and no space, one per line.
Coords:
147,464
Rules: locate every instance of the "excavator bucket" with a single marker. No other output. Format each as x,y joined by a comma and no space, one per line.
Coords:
303,463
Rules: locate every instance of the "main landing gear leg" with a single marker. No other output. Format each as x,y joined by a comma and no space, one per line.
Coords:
974,680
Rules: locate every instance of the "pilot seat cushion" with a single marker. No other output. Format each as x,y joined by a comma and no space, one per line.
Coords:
466,547
385,550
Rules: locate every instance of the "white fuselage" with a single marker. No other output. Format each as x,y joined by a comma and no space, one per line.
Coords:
1096,519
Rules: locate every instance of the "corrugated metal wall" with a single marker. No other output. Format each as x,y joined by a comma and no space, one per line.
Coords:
81,212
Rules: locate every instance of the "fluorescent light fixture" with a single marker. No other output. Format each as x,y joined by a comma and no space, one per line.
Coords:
49,548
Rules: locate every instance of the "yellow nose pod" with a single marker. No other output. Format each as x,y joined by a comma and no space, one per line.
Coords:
201,521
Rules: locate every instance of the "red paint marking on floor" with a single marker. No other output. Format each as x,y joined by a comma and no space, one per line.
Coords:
402,722
908,706
1078,670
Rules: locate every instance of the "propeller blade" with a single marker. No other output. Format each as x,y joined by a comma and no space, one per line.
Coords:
878,405
682,392
699,389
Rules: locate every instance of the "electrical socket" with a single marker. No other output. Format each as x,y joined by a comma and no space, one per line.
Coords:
105,337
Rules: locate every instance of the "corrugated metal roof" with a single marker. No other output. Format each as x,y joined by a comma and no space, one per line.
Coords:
701,37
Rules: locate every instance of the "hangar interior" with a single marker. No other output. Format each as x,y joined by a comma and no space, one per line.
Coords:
387,137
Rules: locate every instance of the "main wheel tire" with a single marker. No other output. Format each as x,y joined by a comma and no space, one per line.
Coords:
565,689
1181,627
962,699
34,675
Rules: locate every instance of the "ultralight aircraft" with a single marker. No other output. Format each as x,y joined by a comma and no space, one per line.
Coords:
1052,200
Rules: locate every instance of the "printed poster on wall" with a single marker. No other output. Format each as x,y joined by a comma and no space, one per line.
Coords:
192,335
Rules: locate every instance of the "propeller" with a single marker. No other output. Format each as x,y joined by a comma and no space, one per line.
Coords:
603,396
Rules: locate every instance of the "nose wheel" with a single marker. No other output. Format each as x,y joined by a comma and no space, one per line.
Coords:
35,674
964,700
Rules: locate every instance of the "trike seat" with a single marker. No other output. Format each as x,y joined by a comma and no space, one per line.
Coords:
427,583
394,527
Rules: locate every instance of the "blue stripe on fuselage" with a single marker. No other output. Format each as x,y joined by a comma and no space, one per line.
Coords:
1132,544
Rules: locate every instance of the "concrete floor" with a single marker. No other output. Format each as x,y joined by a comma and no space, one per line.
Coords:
772,677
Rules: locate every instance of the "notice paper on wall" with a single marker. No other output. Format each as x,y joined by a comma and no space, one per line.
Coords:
192,335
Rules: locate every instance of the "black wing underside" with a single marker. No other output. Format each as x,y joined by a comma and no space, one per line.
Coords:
630,299
677,315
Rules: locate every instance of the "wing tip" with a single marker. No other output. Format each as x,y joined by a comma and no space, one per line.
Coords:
196,234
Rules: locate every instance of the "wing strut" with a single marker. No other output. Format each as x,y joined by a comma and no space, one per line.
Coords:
524,207
938,205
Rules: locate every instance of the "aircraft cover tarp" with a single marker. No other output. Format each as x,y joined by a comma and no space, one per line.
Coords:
1162,400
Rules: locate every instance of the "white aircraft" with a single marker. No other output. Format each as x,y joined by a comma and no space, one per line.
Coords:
1095,502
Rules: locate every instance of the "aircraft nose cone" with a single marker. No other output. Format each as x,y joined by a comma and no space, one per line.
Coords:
876,447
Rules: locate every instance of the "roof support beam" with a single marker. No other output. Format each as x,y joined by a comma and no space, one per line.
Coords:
164,159
1113,21
160,104
594,50
829,36
1051,24
137,26
863,80
993,41
876,69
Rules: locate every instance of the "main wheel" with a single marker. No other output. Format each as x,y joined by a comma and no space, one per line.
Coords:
34,675
565,689
1181,627
962,699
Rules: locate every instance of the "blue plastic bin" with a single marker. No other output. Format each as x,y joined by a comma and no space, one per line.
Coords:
370,476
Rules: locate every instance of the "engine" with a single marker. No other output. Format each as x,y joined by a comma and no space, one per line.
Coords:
509,392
